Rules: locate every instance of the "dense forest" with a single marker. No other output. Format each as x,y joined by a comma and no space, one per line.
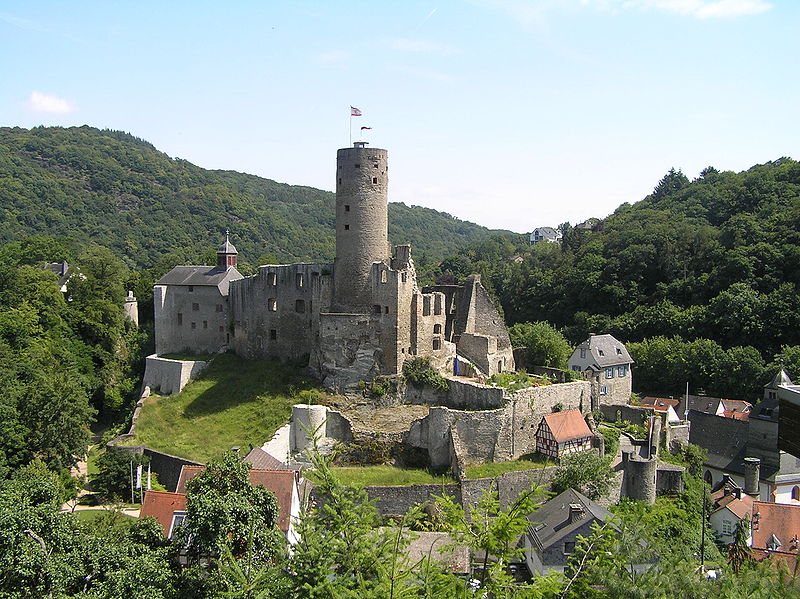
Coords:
701,277
119,191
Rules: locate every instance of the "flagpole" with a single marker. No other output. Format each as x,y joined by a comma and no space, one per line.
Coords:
351,126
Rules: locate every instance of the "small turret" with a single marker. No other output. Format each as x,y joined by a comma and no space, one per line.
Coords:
227,254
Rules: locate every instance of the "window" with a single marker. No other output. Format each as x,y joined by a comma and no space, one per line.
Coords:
437,305
194,325
622,370
386,309
195,307
404,277
272,278
347,207
384,276
340,180
437,329
583,354
708,477
796,493
191,288
376,308
177,520
610,373
426,305
300,306
272,305
603,390
601,352
298,279
205,324
374,180
727,527
273,334
619,352
221,329
180,318
576,368
357,165
347,227
569,547
219,307
437,344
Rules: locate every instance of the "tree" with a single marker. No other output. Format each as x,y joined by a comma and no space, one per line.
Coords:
545,345
739,553
223,510
586,472
114,470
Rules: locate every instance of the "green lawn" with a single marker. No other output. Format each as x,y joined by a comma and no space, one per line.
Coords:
233,402
492,469
360,476
92,516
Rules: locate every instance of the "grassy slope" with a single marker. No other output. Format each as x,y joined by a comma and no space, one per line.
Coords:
234,402
492,469
360,476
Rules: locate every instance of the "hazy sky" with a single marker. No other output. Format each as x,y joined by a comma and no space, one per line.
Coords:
508,113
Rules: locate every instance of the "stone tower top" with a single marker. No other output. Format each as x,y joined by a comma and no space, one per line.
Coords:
227,254
362,177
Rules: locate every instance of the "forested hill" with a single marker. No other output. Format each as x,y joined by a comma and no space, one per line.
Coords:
120,192
714,259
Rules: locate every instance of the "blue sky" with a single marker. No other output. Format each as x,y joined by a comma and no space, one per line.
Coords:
508,113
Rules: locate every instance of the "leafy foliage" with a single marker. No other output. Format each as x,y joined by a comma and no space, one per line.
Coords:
585,472
156,211
545,345
420,373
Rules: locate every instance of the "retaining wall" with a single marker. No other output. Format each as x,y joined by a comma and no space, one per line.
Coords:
170,376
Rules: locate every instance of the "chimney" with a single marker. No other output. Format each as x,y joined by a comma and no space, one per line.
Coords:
575,512
752,472
727,481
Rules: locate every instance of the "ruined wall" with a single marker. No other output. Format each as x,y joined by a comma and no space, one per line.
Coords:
193,321
349,350
396,501
276,312
487,435
170,376
167,467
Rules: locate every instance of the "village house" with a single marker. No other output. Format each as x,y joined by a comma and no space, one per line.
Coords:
606,361
717,406
730,505
549,234
663,405
562,433
170,508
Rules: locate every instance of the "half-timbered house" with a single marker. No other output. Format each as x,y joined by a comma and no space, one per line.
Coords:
562,433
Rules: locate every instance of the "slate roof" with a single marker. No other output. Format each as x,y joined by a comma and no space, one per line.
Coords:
208,276
550,523
162,506
781,379
280,482
567,426
778,519
606,351
227,247
261,460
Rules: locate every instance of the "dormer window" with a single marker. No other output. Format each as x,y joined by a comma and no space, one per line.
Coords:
601,352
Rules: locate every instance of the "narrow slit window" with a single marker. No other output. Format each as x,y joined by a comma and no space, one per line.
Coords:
347,207
273,334
374,180
272,304
299,279
300,306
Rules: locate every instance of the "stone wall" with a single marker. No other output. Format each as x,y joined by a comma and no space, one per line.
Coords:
349,350
193,321
498,434
167,467
633,414
170,376
396,501
276,312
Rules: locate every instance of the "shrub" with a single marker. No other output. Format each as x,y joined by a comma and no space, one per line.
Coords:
514,381
419,373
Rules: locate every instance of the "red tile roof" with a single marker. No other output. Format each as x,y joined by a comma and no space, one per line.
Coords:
780,520
280,482
162,506
660,404
740,506
567,426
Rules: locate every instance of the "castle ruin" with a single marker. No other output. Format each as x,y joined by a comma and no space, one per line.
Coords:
358,318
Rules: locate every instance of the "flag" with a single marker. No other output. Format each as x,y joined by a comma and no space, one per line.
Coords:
139,476
148,477
354,111
362,128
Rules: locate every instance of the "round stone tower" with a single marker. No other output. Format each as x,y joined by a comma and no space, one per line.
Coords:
362,177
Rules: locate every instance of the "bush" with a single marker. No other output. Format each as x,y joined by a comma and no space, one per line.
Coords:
419,373
514,381
586,472
113,479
